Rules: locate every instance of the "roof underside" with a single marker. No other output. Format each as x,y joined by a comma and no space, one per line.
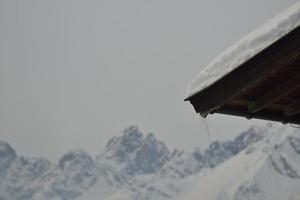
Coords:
267,86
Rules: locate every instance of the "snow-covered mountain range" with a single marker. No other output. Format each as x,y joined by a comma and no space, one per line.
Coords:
261,163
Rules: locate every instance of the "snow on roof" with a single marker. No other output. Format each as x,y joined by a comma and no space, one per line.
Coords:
246,48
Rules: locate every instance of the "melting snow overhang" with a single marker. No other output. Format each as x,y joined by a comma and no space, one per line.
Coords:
258,77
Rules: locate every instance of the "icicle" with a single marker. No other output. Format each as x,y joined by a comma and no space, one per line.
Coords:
204,121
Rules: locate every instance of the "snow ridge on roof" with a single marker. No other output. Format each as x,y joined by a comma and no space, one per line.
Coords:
246,48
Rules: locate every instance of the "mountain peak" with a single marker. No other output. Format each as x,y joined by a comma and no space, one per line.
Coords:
136,153
122,146
6,148
76,158
79,171
150,156
150,137
131,131
7,155
131,139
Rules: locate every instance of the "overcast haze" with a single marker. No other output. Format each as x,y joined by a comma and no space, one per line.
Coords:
75,73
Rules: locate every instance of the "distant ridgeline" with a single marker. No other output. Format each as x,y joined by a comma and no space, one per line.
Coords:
134,166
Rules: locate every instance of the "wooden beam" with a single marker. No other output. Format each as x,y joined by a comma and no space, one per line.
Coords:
266,114
292,109
275,94
245,103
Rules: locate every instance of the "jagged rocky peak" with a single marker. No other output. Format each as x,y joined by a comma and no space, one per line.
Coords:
219,151
80,167
121,146
7,155
76,159
138,153
132,132
252,135
152,144
79,173
151,155
132,138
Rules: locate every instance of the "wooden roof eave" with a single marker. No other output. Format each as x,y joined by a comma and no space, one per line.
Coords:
275,57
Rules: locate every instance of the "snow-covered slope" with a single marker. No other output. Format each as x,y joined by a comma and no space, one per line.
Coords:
246,48
261,163
179,175
267,170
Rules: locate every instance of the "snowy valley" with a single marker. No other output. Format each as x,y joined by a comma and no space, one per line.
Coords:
262,163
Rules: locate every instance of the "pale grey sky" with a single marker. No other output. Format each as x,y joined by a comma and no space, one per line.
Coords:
74,73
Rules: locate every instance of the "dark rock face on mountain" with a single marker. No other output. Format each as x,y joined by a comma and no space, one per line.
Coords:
254,134
131,154
281,158
7,156
295,144
79,173
150,156
219,152
121,147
